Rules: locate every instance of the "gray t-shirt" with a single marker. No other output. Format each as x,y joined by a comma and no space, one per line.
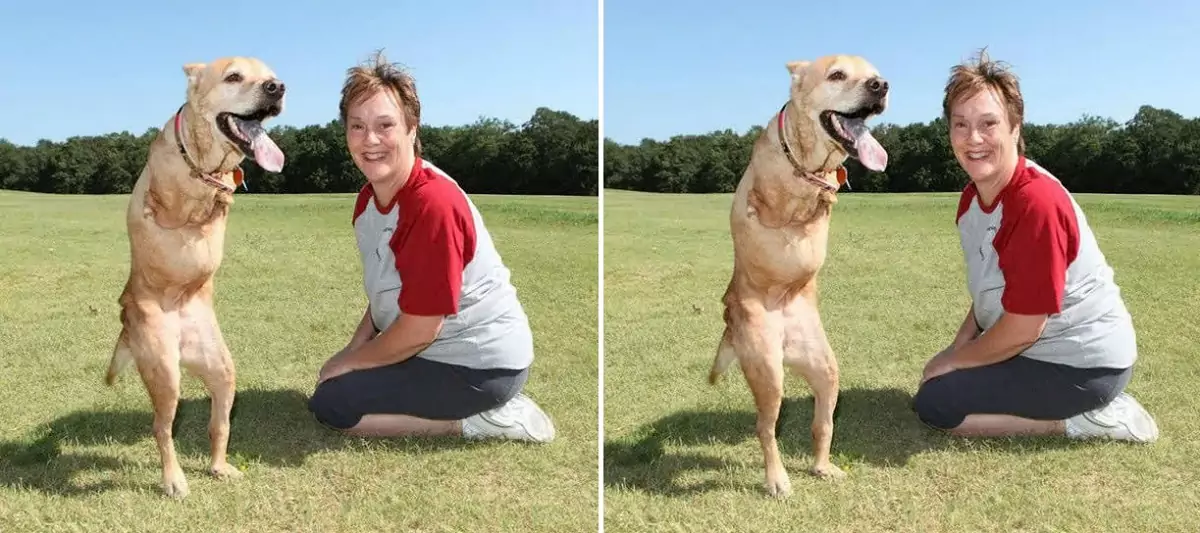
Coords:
429,253
1032,252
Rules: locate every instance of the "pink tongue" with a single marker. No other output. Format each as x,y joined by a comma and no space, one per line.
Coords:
870,152
266,153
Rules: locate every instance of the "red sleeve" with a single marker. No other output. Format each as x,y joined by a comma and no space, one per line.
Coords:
433,244
964,201
360,204
1037,240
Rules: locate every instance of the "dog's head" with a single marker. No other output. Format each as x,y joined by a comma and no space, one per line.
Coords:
236,95
837,94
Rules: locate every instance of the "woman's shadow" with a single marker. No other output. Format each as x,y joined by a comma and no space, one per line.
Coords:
269,427
871,426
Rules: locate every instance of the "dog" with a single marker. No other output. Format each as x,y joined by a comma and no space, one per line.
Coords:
779,224
175,221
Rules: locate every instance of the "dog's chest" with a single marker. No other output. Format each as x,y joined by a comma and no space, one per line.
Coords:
785,255
200,257
182,256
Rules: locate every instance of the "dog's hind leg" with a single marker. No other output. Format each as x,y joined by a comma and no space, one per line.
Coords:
208,357
808,353
760,347
155,339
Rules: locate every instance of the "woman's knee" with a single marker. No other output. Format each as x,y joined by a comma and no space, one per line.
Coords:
331,407
935,407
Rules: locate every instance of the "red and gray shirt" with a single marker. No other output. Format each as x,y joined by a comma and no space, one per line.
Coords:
1032,252
428,253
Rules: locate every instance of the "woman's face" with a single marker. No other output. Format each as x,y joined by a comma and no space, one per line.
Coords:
379,139
984,141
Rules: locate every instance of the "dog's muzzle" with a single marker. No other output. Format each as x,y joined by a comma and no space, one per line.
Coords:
273,88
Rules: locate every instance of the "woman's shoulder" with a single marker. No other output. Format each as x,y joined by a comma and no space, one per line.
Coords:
1037,190
436,194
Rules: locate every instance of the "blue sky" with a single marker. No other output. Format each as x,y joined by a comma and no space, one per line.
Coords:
675,67
671,66
65,70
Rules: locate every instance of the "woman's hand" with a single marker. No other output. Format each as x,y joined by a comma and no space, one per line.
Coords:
335,366
942,363
406,336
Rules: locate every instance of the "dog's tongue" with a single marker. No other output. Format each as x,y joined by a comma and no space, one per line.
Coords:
266,153
870,152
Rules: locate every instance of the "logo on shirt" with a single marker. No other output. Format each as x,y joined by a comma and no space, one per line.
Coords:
386,232
988,235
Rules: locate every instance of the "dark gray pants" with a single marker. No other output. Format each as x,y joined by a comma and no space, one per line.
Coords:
415,387
1018,386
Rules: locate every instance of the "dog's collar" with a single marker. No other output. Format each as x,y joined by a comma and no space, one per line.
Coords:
212,179
812,177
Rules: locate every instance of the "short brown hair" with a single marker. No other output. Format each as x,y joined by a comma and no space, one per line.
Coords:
982,73
376,74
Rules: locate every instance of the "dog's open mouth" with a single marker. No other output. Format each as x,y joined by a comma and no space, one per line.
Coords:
850,130
247,133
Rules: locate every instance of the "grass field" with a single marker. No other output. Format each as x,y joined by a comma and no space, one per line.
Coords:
77,456
682,456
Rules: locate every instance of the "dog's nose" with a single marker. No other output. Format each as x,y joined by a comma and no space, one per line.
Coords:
273,88
877,86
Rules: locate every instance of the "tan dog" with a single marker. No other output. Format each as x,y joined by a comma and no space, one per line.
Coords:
780,225
176,223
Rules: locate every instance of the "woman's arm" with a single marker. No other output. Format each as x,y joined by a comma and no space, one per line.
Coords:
364,332
406,337
968,330
1011,335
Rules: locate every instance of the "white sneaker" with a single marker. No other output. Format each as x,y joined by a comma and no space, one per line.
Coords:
519,419
1122,419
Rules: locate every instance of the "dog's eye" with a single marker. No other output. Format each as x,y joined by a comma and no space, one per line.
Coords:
233,78
837,75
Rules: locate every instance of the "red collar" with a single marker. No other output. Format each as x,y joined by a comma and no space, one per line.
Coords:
813,177
211,178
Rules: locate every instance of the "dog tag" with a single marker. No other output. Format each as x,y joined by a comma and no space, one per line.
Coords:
239,178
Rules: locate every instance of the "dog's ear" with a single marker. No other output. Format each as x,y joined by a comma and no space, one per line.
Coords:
192,70
797,68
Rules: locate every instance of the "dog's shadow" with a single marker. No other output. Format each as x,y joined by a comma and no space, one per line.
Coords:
875,427
268,427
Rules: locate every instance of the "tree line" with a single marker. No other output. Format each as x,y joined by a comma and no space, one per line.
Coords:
1156,152
554,152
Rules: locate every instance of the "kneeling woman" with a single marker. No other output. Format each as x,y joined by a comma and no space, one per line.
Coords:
1047,346
444,347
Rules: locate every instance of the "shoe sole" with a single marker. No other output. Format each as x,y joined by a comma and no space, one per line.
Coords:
540,430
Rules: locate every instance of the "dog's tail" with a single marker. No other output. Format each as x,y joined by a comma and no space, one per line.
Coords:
725,356
121,357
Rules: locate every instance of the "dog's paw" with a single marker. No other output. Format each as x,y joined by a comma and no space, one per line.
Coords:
175,487
781,487
828,471
225,471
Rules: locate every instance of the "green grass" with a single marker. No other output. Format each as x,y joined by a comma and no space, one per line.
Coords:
288,296
682,456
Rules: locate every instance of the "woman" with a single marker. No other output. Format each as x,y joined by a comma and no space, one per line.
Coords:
1047,346
444,346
